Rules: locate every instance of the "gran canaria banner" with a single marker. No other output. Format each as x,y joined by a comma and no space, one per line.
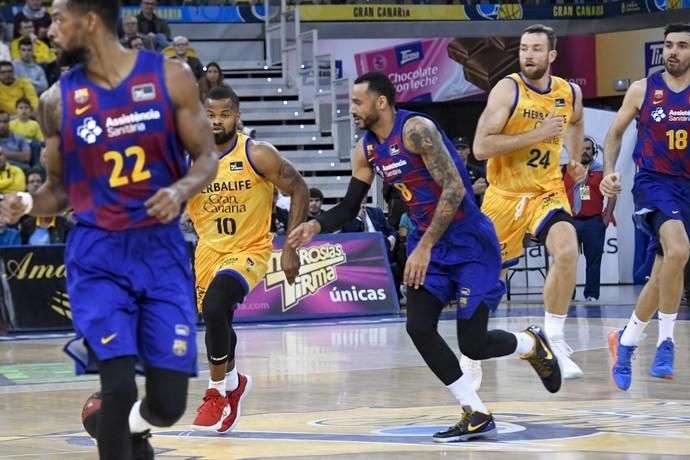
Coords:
341,275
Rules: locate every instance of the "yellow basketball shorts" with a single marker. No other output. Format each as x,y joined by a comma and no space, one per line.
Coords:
247,266
515,214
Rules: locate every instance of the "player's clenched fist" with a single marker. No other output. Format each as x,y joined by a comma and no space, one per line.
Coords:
610,185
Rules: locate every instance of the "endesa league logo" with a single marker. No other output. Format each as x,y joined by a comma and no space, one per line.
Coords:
317,270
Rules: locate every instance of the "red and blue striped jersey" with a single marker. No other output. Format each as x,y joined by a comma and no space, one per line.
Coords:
407,172
119,145
663,129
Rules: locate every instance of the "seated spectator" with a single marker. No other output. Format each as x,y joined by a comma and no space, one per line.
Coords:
213,78
4,52
38,231
12,147
129,29
9,236
12,89
279,216
152,26
136,43
11,177
27,68
372,219
24,126
35,12
42,52
181,52
315,202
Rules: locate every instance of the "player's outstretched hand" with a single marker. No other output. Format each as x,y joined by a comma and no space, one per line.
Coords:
165,204
416,267
12,208
303,233
610,185
289,263
577,171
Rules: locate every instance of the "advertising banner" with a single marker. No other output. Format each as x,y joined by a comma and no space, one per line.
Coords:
386,12
446,69
341,275
37,297
206,14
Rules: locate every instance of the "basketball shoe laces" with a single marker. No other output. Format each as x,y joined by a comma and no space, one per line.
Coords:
215,399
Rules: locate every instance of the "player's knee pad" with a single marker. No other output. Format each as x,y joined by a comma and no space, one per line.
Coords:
117,381
166,396
221,296
471,348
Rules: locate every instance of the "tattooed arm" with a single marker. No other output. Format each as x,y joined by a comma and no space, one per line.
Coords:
421,136
283,175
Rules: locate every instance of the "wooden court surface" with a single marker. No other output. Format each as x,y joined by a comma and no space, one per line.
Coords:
358,390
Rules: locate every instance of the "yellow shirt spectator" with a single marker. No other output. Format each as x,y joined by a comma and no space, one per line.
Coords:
42,52
12,178
11,92
29,129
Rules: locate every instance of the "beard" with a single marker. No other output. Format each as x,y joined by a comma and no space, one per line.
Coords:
222,137
536,72
677,71
70,58
370,120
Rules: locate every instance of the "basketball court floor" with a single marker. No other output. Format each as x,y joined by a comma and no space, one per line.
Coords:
357,389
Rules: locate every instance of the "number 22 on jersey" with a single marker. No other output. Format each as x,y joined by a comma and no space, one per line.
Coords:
138,174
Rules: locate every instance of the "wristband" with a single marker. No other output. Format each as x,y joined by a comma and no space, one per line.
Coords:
27,201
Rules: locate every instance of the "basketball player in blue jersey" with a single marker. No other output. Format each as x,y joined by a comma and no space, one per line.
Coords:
661,192
453,253
117,127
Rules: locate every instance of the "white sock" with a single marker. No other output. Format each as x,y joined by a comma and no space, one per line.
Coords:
232,380
462,391
137,424
219,386
554,324
666,323
633,331
525,343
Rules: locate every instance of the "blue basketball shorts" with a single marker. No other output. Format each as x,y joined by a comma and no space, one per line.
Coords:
465,265
132,294
657,192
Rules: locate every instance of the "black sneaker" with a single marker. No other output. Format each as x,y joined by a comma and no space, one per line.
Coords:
472,425
141,447
543,360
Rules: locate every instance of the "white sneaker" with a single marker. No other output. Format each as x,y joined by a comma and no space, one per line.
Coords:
562,350
473,369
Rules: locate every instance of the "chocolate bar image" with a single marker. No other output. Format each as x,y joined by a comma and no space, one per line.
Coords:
486,63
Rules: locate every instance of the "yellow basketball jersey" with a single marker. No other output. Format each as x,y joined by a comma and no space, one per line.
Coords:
233,213
535,168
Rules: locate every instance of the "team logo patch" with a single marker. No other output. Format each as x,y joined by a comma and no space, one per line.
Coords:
560,102
89,130
180,347
143,92
658,114
658,94
236,166
250,264
81,96
181,329
394,149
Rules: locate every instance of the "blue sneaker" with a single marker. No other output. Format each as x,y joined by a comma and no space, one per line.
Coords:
621,372
662,367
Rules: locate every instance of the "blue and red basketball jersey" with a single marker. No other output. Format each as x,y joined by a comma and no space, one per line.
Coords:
663,129
120,145
407,172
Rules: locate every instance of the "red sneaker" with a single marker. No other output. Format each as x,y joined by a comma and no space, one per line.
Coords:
212,412
235,399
